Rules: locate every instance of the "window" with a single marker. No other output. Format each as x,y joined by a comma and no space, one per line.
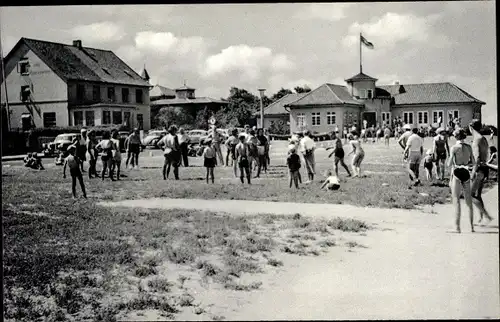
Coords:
25,93
369,93
49,119
316,119
96,93
80,92
386,117
408,117
106,117
89,118
77,118
125,93
301,120
423,117
23,67
437,117
455,114
138,96
111,94
126,118
140,121
117,117
362,93
330,118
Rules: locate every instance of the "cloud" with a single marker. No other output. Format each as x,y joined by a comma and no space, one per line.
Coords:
387,31
324,11
248,61
99,32
129,53
180,53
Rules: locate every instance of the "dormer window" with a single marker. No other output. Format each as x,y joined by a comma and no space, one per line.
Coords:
362,93
369,93
23,67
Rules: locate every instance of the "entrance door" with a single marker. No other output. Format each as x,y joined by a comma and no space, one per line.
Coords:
370,118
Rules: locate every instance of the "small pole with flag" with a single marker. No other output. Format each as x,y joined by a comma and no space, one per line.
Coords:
362,40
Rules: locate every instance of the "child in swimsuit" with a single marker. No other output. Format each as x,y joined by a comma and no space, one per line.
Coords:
428,164
73,163
209,159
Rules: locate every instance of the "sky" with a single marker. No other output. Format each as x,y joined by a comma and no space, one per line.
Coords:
216,46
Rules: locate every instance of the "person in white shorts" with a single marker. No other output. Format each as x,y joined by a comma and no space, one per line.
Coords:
413,153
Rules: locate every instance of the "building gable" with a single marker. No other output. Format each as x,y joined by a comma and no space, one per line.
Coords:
326,94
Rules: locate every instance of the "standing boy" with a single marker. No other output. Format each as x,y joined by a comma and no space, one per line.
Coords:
242,158
74,169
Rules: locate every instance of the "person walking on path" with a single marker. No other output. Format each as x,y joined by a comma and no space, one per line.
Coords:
183,143
460,162
307,148
480,149
171,152
441,151
359,154
73,163
338,152
413,153
243,159
91,144
216,138
133,148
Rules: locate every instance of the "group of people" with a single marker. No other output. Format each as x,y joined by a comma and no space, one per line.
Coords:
33,161
469,165
108,150
303,143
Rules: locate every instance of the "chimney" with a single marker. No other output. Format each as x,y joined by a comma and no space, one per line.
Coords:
77,43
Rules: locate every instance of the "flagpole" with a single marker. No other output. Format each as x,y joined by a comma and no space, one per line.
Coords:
360,55
5,83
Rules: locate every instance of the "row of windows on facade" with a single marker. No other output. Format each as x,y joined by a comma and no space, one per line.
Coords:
422,117
24,69
49,118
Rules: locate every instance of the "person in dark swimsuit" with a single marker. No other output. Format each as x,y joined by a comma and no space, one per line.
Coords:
480,149
338,152
441,151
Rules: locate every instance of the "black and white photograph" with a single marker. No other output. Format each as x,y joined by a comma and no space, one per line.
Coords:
250,161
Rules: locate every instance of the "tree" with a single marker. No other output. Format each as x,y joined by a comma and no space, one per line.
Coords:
241,108
299,89
174,115
282,92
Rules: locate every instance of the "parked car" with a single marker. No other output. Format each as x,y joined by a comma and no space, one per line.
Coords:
60,143
196,135
153,137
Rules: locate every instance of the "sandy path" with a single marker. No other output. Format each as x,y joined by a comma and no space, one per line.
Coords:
416,270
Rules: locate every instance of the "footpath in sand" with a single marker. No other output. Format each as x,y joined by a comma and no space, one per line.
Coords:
412,268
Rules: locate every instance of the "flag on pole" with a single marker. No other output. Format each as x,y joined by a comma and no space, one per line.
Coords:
366,42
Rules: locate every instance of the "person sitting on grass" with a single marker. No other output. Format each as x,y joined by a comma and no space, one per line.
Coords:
60,158
28,160
209,157
428,164
293,162
73,163
106,148
359,154
331,182
242,158
461,162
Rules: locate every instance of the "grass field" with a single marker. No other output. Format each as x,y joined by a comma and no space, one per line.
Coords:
68,259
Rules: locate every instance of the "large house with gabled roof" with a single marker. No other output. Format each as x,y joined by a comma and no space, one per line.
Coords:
332,107
52,84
